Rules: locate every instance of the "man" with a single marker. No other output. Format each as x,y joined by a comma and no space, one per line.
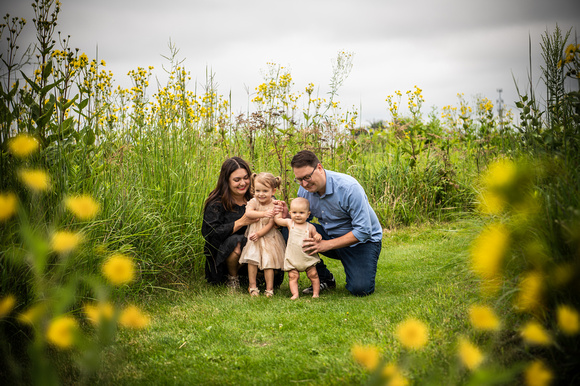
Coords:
350,229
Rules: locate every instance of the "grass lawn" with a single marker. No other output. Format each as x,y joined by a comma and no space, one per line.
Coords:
205,335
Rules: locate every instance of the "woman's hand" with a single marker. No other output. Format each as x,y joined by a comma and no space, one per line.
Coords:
245,221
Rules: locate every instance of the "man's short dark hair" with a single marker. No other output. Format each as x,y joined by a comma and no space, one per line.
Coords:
304,158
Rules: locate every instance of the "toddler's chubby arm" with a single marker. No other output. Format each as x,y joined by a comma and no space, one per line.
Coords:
313,233
253,213
282,222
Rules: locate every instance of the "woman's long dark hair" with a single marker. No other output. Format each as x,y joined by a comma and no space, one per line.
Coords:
222,189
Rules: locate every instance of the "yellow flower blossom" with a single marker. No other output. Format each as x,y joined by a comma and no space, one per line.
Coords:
36,179
33,314
483,318
132,317
500,174
531,286
491,202
82,206
537,374
534,333
8,205
488,251
119,269
396,378
412,333
469,354
61,331
98,312
6,305
64,241
367,356
23,145
568,320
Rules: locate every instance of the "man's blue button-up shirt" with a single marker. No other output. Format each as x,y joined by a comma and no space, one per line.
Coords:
344,207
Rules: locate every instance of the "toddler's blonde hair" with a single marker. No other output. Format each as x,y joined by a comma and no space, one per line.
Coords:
267,179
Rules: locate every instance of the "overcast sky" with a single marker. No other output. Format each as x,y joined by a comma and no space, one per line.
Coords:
444,47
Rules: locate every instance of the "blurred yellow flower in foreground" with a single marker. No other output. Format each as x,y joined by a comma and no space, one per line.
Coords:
488,251
8,205
23,145
98,312
483,318
393,373
469,354
84,206
500,174
32,314
61,331
6,305
537,374
64,241
568,320
36,179
534,333
119,269
132,317
491,202
531,287
412,333
367,356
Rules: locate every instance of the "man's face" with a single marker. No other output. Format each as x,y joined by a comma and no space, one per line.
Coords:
310,178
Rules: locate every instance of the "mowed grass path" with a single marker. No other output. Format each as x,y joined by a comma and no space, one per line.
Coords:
205,335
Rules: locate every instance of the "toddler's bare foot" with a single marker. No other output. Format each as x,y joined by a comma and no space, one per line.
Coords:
314,296
294,297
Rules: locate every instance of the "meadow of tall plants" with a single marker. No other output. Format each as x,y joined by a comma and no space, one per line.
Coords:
102,192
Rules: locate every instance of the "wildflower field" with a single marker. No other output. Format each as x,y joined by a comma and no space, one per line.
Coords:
101,255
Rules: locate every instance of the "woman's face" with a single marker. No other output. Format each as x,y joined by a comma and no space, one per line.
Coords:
239,182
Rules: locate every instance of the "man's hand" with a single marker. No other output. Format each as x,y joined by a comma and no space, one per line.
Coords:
282,208
312,246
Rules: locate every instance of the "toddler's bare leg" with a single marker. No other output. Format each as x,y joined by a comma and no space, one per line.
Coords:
269,277
252,273
313,276
293,277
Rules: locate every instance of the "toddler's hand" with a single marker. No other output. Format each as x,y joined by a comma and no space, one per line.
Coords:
317,237
254,236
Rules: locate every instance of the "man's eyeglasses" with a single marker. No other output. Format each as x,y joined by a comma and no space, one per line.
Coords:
306,177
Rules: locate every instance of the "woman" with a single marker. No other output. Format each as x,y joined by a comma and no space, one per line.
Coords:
225,221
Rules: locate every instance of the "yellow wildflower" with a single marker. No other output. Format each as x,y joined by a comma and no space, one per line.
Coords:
367,356
23,145
36,179
469,354
568,320
61,331
394,374
64,241
32,314
490,202
500,174
412,333
6,305
537,374
132,317
531,287
98,312
534,333
82,206
483,318
8,205
119,269
488,251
